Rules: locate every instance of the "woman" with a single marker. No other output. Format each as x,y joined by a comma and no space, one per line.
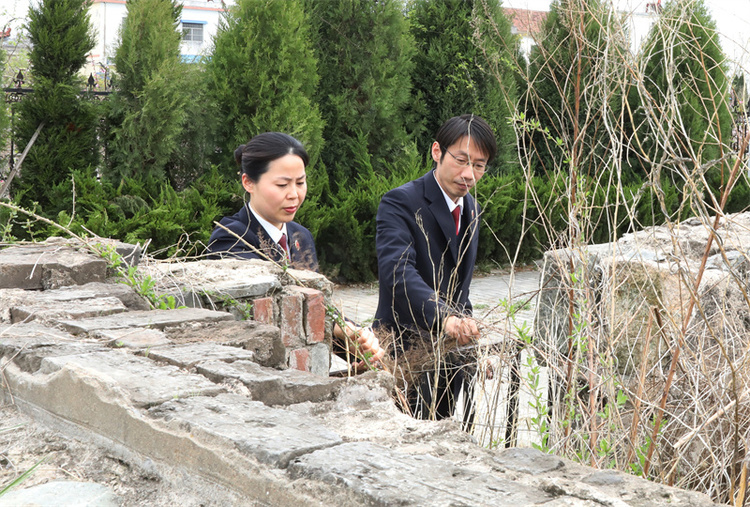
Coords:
272,167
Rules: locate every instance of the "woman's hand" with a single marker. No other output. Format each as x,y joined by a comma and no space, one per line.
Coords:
368,342
365,338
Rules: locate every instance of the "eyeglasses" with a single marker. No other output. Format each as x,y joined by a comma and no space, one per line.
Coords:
479,167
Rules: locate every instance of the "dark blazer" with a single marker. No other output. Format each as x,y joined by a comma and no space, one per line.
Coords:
244,224
424,269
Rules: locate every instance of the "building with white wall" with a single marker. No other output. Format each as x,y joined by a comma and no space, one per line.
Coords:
199,23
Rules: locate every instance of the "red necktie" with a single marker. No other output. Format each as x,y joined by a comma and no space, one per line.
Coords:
456,217
282,244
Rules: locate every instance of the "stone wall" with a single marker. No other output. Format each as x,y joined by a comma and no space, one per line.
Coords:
207,406
661,316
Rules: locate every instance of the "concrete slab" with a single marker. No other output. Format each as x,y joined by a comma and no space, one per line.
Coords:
130,338
196,281
270,386
75,309
381,476
270,435
528,461
142,381
62,494
187,356
262,339
158,319
27,345
45,266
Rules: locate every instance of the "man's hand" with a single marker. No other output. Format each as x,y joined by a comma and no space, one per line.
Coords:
463,329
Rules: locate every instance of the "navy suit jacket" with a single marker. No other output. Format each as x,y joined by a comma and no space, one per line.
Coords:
244,224
424,268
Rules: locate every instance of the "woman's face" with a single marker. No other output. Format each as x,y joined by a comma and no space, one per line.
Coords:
279,192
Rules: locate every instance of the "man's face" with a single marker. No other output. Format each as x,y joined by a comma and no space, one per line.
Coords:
460,168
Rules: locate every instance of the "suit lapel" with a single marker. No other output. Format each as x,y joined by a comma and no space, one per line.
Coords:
265,243
439,209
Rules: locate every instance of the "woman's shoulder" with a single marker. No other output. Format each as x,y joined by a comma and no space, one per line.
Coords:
295,228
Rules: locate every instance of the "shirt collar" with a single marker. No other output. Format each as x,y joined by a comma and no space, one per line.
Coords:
271,230
451,205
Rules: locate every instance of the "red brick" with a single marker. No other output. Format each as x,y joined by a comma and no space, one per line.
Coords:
314,314
263,311
300,359
292,333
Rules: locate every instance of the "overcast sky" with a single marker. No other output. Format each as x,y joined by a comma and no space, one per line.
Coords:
732,21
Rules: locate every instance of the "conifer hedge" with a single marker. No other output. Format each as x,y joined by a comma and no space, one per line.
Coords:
364,85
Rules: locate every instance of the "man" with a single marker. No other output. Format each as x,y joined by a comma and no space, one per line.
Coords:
427,238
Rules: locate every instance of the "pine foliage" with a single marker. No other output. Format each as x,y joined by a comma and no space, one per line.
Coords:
263,76
576,72
685,88
458,43
61,39
148,114
365,59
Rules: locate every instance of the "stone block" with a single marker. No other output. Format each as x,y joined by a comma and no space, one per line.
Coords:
320,359
156,319
272,436
95,290
27,345
75,297
313,280
187,356
60,493
528,461
48,266
270,386
130,254
239,279
137,338
89,408
290,322
314,313
263,340
144,382
263,311
75,309
381,476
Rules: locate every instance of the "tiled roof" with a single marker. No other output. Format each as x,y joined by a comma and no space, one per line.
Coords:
526,22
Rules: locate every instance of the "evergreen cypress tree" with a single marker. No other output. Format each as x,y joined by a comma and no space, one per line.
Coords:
364,50
577,71
263,76
463,65
147,115
59,31
684,117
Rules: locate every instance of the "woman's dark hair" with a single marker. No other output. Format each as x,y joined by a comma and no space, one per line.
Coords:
254,157
467,125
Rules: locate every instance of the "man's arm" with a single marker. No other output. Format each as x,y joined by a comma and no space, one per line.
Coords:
409,273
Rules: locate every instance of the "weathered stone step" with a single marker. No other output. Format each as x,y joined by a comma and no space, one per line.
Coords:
142,381
269,435
271,386
381,476
157,319
48,266
80,309
187,356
